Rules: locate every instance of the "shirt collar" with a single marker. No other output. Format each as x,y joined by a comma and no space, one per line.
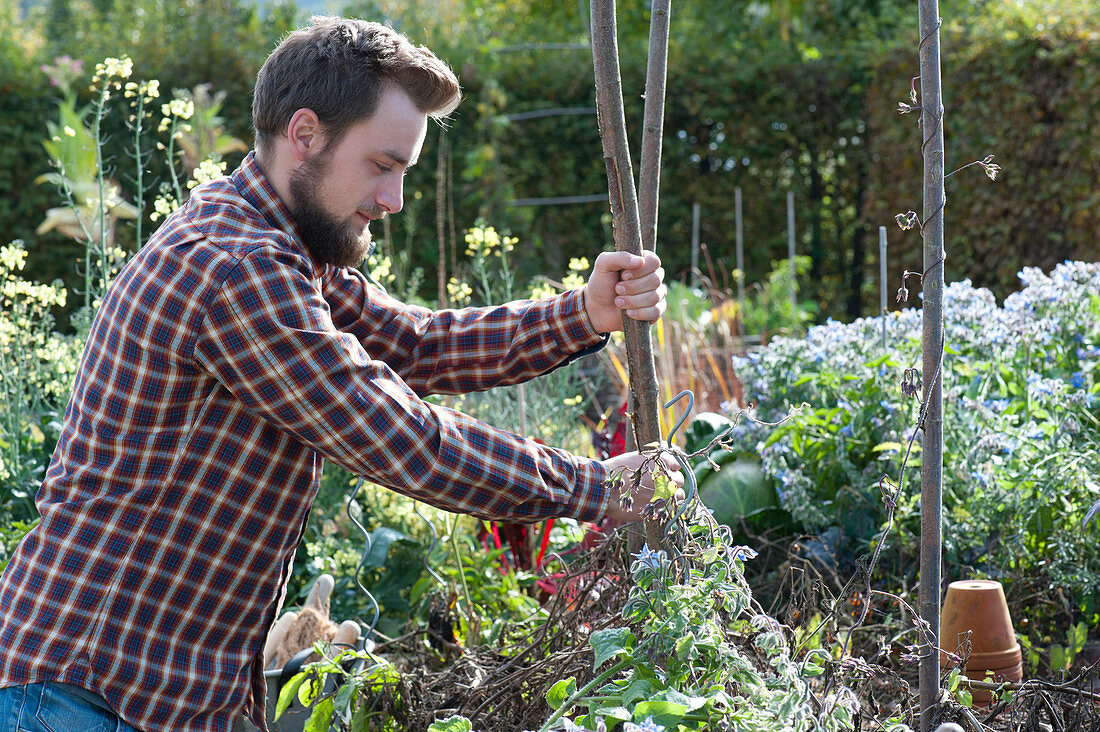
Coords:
254,187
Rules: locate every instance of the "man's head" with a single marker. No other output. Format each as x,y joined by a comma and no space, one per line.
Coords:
339,67
340,112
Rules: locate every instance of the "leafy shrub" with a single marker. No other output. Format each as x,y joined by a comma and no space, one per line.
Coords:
1021,433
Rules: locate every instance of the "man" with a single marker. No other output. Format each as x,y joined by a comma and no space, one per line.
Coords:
237,350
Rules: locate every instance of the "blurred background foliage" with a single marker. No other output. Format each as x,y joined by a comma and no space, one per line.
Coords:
771,97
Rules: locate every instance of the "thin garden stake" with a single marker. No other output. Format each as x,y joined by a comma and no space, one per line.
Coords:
932,354
740,245
790,258
882,280
441,216
696,210
624,213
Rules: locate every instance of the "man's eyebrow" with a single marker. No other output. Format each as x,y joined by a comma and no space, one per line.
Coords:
397,157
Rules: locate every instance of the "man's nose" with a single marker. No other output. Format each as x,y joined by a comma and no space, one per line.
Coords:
391,195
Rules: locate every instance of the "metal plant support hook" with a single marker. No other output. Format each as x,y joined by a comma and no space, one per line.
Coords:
363,559
683,417
691,490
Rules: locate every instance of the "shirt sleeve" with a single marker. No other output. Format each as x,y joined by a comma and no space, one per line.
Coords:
459,351
270,340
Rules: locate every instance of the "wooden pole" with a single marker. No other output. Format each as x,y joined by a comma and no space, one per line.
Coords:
649,173
932,354
624,212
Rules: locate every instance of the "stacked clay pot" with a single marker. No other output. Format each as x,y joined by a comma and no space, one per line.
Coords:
979,606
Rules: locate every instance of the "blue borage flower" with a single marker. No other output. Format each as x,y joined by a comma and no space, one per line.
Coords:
742,553
1048,317
650,559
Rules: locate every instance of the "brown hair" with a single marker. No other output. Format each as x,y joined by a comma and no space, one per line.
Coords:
339,67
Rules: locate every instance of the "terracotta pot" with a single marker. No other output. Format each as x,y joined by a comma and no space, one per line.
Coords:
979,606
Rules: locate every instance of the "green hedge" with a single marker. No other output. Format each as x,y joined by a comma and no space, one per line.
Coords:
1030,101
767,103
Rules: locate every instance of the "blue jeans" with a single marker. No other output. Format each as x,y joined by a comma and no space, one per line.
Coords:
53,708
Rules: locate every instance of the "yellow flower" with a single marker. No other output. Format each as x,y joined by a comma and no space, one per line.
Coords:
542,289
114,67
12,257
181,108
459,292
147,90
572,281
486,242
380,267
163,205
207,171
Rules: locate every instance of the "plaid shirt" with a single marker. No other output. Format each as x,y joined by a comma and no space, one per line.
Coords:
220,371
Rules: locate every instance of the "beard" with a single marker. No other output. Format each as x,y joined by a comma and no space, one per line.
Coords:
330,240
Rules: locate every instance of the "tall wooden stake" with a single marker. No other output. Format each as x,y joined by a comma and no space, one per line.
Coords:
624,212
932,354
649,173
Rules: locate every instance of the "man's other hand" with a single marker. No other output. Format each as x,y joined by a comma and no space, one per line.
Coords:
624,465
620,283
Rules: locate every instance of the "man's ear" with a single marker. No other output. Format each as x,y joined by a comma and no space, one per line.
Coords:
305,134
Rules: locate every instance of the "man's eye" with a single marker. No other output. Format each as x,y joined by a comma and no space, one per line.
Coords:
384,168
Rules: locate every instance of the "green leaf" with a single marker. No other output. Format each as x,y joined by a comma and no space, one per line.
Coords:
344,696
897,447
360,719
1078,635
877,362
619,713
685,646
691,703
1058,657
662,487
321,719
703,429
560,692
811,667
308,692
380,540
638,688
287,693
665,713
451,724
609,643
